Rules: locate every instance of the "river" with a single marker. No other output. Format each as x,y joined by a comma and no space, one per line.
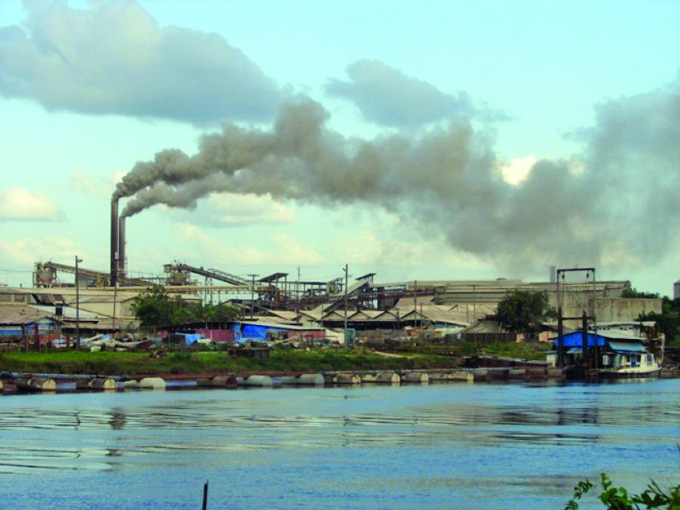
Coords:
453,446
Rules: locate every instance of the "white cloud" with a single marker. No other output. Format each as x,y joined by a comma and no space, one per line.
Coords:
22,204
113,58
27,251
387,96
95,185
366,248
199,245
237,210
288,251
517,170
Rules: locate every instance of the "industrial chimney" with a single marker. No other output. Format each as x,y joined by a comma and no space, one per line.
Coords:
121,247
114,242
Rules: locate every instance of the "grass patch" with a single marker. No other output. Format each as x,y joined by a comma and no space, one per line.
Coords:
194,362
189,361
534,351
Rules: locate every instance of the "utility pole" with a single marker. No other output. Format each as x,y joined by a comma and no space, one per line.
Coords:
77,305
474,303
560,338
252,296
415,297
115,305
346,278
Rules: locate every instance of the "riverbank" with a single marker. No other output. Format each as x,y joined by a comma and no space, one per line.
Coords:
190,362
200,362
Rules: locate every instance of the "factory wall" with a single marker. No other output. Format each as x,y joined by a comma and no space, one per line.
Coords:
606,309
611,310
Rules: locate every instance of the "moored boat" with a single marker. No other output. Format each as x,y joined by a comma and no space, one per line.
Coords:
607,355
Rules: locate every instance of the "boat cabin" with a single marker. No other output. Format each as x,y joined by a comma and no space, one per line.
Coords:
608,352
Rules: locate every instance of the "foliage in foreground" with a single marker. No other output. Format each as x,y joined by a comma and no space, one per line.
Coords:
618,498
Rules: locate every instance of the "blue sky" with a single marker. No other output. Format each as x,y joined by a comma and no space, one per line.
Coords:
417,140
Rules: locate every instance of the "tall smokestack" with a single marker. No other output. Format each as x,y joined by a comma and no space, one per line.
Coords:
121,246
114,241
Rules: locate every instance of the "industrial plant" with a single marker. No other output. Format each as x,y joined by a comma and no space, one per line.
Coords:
100,302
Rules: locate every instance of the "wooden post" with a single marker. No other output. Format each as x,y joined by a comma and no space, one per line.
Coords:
346,283
205,496
560,338
77,283
584,333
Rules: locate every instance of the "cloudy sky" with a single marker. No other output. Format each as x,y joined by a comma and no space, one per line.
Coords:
418,140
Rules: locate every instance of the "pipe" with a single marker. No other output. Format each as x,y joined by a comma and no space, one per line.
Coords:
121,247
114,242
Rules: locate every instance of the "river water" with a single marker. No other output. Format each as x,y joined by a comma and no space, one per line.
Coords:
481,446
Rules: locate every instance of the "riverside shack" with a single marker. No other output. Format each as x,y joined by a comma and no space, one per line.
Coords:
606,350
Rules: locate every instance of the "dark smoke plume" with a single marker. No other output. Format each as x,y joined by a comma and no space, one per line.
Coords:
614,205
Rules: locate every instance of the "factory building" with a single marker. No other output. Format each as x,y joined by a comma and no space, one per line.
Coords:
361,304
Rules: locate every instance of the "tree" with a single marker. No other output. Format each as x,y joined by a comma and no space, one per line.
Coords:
154,308
668,321
636,294
523,311
215,313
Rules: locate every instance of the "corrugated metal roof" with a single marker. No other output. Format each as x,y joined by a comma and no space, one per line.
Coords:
67,312
275,325
260,319
315,314
365,315
485,326
406,304
335,316
627,346
21,314
435,313
618,334
387,316
285,314
626,323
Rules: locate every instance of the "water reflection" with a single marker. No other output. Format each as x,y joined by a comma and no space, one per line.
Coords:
200,429
117,420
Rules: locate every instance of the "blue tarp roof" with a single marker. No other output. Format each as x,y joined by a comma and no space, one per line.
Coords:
256,332
190,338
575,339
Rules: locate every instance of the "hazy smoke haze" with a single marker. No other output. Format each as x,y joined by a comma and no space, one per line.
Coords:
614,203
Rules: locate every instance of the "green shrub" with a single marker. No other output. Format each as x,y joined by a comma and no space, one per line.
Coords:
618,498
468,349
